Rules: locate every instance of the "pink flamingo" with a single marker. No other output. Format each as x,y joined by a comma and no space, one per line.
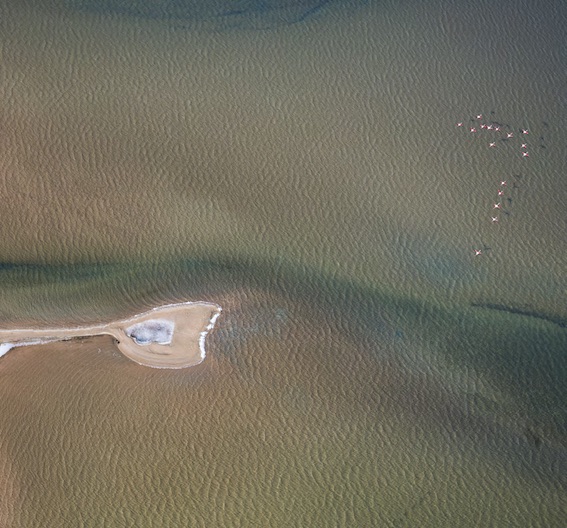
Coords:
503,183
494,219
497,205
500,192
492,144
472,129
526,154
477,252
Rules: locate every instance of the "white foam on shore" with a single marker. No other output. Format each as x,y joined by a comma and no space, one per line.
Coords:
5,348
204,333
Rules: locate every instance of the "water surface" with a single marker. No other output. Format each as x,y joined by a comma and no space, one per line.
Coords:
300,166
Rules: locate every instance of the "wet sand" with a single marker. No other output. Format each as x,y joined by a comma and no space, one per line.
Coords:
171,336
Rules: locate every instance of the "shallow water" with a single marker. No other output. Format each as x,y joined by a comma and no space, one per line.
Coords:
302,169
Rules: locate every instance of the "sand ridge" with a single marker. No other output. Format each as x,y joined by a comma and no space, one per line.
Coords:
169,336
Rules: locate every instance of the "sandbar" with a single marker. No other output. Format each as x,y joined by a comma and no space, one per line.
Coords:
170,336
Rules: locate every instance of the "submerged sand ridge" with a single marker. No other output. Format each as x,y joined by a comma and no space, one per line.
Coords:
170,336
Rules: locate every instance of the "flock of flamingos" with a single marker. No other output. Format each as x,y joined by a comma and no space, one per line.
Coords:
498,133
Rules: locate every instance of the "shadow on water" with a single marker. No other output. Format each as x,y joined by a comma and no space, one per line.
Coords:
520,354
521,357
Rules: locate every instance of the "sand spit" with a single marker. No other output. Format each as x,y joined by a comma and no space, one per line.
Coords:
170,336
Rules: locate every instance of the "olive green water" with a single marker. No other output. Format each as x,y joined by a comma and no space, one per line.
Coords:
301,168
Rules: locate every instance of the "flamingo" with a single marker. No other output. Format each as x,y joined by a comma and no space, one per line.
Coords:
510,135
503,183
479,116
472,129
525,131
526,154
497,205
477,252
492,144
460,124
494,219
500,192
524,146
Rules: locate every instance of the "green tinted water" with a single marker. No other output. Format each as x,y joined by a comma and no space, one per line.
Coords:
310,179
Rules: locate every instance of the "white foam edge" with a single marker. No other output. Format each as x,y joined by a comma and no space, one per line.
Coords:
6,347
204,333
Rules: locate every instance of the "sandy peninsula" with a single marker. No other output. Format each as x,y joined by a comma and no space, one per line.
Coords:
170,336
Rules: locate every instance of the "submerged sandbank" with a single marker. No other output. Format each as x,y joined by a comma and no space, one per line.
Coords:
170,336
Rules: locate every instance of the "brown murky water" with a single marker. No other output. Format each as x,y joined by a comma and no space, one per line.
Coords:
297,423
307,175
